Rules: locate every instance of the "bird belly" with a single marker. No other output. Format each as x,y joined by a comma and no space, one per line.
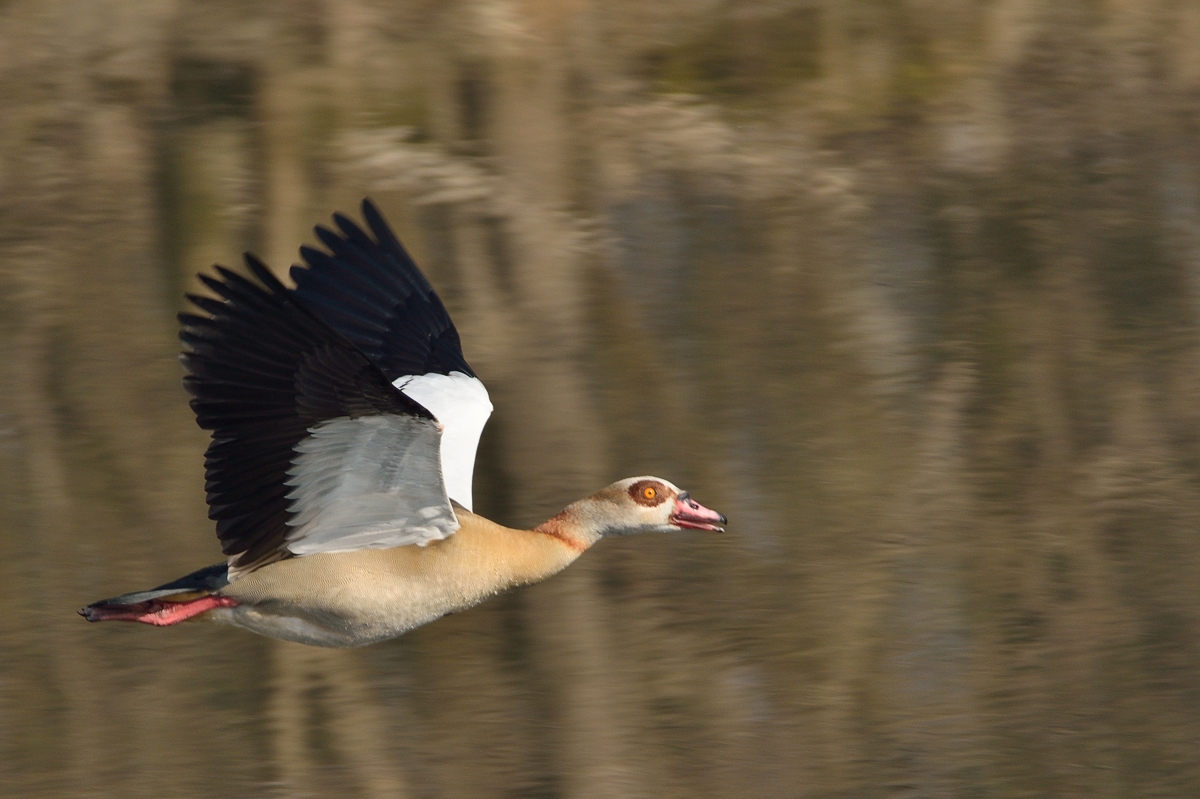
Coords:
319,626
347,599
354,611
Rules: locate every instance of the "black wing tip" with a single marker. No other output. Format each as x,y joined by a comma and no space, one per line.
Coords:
193,324
227,285
297,272
349,227
263,272
376,221
220,287
363,283
210,305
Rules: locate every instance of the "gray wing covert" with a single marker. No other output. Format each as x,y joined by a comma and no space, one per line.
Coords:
368,483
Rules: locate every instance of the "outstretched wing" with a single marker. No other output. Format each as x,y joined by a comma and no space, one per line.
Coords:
313,449
368,289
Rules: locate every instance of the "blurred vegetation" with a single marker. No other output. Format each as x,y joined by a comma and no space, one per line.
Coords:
907,289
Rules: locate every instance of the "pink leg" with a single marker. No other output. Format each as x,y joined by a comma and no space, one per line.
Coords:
156,611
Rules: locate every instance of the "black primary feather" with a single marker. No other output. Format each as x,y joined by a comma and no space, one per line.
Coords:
263,371
369,290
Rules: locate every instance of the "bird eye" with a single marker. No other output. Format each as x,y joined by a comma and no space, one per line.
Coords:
648,493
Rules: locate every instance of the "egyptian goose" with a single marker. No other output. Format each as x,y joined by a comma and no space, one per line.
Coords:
344,425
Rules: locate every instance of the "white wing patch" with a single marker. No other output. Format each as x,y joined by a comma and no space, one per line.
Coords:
368,483
461,404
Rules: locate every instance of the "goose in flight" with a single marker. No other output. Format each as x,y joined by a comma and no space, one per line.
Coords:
344,425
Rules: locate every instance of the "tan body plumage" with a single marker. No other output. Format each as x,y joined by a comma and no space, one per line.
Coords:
356,598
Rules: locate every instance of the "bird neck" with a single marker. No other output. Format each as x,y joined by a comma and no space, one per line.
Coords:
572,528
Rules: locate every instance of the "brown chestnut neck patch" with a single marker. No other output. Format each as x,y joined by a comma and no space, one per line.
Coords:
558,528
649,493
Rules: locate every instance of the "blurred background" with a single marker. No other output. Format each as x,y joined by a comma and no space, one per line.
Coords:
909,289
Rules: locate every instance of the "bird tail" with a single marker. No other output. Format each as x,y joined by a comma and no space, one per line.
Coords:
168,604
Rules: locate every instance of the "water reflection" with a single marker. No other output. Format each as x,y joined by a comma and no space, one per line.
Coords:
907,291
